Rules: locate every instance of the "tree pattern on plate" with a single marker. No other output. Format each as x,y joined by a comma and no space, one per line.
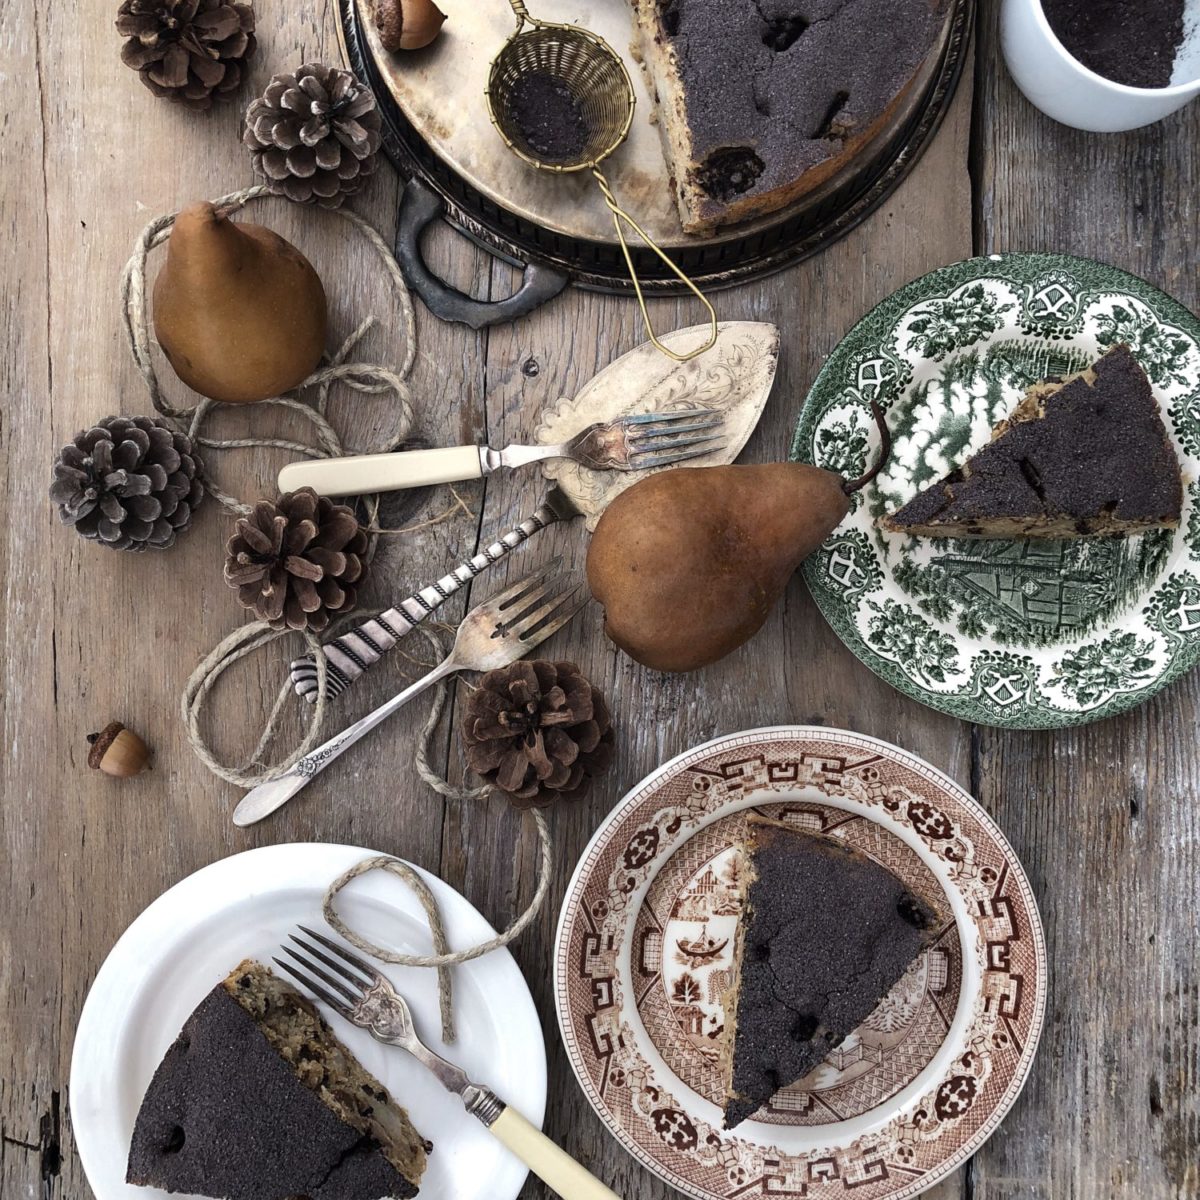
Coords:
949,356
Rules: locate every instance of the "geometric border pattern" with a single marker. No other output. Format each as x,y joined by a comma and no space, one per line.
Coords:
894,1152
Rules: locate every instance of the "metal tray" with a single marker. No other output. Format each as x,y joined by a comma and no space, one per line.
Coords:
497,210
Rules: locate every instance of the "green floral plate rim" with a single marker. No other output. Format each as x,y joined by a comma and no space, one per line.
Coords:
1024,635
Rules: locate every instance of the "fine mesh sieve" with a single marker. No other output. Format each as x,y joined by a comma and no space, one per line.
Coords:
594,74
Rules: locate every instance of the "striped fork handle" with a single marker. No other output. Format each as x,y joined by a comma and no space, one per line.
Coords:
351,654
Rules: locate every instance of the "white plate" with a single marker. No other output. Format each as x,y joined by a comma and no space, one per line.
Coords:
193,935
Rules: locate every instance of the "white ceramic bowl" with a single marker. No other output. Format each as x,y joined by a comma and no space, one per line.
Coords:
1063,88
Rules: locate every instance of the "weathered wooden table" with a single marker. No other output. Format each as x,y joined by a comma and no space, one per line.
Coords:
1106,818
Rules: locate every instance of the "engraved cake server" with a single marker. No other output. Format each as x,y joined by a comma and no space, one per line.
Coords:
356,991
492,635
354,652
637,442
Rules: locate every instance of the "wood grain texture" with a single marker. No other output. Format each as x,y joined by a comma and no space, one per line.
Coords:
1104,818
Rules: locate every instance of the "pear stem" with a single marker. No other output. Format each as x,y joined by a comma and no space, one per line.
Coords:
850,486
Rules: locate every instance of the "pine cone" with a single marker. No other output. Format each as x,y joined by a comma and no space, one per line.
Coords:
131,483
314,135
538,731
296,562
189,51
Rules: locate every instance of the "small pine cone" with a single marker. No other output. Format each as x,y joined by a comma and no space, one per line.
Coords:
131,483
538,731
314,136
188,51
297,562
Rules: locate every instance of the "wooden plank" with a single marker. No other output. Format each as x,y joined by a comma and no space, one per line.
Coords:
1105,818
93,635
795,670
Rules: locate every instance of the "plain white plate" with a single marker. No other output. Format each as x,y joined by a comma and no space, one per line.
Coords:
193,935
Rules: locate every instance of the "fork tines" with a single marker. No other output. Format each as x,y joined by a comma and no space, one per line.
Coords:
344,981
536,608
662,439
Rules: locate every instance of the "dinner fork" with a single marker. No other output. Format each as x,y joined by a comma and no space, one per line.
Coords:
358,992
491,635
631,443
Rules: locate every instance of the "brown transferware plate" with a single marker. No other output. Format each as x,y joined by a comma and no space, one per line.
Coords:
645,950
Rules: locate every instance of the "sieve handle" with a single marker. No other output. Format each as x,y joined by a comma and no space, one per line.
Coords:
420,206
619,215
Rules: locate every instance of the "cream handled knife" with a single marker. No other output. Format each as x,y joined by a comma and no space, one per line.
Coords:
364,473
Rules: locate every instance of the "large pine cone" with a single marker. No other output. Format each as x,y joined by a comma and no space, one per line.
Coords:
296,562
189,51
131,483
314,135
538,731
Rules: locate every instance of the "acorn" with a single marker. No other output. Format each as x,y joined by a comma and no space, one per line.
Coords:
118,751
407,24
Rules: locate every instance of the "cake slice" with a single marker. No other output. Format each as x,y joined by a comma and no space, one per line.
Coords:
761,101
1080,456
257,1100
825,934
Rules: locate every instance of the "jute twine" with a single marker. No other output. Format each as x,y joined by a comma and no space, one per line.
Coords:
369,379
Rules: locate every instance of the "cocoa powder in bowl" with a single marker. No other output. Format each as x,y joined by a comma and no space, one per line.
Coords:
1133,42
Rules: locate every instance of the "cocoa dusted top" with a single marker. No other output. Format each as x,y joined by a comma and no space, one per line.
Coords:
1100,452
828,933
225,1115
775,86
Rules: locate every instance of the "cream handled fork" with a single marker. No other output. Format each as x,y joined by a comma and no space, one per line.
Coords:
358,992
492,635
631,443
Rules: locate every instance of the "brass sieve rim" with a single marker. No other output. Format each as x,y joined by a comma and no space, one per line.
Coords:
537,29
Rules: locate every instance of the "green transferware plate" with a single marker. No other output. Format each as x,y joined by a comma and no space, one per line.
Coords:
1021,634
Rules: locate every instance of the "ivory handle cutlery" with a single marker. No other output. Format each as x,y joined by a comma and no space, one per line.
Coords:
631,443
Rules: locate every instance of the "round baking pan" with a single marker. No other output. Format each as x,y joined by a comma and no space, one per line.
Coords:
528,227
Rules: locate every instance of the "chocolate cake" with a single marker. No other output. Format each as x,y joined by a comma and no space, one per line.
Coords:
760,101
257,1100
1080,456
825,934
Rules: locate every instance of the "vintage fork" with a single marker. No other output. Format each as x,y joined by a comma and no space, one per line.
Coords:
492,635
358,992
632,443
348,656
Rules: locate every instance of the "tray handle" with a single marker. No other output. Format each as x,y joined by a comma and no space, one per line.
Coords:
420,206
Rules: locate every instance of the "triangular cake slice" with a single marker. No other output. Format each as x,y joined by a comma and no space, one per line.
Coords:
1081,456
825,934
257,1100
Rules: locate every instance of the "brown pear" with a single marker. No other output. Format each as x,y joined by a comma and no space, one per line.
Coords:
239,312
689,562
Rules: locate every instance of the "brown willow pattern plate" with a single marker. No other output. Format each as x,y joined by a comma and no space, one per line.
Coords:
645,948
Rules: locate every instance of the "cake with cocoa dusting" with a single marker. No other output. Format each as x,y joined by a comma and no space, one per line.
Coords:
257,1100
1077,457
825,933
761,101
